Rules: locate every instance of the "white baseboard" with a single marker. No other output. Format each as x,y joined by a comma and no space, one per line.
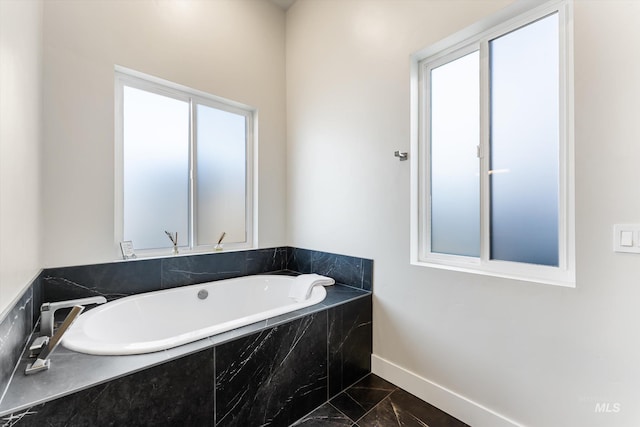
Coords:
450,402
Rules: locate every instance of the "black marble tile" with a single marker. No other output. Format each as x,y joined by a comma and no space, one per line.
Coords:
112,280
274,377
189,270
261,261
37,288
349,406
360,398
14,332
350,343
177,393
367,274
299,260
371,383
344,269
118,279
337,294
348,270
325,416
401,408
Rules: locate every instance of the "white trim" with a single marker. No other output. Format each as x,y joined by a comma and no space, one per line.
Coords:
501,22
426,68
127,77
477,37
249,133
454,404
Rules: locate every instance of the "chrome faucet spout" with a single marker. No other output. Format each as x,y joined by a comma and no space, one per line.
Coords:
48,311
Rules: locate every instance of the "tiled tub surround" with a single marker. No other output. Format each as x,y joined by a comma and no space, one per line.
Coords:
345,362
119,279
251,376
15,327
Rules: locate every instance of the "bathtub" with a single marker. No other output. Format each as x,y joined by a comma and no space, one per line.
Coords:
159,320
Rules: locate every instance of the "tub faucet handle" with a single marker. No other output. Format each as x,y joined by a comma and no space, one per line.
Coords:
38,345
43,362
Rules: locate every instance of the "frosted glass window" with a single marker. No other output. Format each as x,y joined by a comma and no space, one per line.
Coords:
455,130
221,175
156,168
493,120
524,171
186,167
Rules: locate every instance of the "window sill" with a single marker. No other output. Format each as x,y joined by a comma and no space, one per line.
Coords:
567,281
167,252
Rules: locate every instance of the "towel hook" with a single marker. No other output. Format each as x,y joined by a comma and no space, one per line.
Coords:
402,156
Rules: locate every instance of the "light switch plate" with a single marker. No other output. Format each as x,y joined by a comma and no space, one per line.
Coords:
626,238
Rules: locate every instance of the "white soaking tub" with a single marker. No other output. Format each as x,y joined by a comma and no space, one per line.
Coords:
159,320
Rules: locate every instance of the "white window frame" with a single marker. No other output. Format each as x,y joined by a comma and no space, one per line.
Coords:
477,37
132,78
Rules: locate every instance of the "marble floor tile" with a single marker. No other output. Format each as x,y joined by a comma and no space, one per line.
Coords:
374,402
386,414
325,416
404,409
360,398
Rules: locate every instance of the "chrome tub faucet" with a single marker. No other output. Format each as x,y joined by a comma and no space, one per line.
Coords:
43,346
42,363
48,311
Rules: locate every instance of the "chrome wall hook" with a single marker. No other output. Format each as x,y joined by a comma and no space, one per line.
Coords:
401,156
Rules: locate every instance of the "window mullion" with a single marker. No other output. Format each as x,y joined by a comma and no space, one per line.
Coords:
484,151
425,160
192,174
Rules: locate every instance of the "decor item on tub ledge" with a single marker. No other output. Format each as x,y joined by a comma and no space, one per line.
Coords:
174,239
199,311
218,246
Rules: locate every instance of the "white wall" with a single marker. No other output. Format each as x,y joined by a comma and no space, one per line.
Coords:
537,355
20,145
230,48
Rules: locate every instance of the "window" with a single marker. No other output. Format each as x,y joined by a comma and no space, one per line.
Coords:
493,181
185,162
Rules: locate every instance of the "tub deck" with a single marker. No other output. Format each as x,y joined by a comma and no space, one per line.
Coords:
72,372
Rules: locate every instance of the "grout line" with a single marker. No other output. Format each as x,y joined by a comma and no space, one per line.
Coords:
215,384
311,412
374,407
381,400
334,407
328,362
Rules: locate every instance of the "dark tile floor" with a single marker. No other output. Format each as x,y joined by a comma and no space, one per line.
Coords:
375,402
